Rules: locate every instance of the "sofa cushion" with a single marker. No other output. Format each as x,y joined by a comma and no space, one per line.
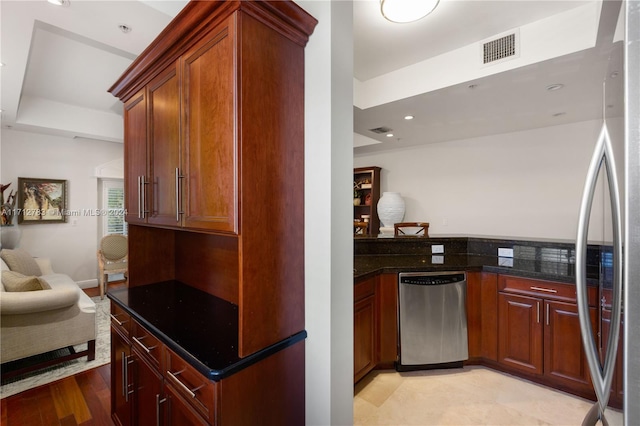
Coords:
20,261
15,281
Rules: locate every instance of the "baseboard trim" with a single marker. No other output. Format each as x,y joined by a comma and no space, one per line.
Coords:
88,283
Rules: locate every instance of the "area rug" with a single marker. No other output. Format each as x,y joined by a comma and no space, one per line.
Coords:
69,368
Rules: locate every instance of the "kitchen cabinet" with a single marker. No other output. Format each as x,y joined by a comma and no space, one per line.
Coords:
139,391
121,404
222,91
178,411
482,316
152,131
387,320
209,147
364,328
366,181
161,188
135,159
539,331
147,390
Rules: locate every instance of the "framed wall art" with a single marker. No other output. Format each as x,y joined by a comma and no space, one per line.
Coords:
41,200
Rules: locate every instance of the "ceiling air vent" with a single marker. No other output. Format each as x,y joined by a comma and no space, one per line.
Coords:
500,49
381,130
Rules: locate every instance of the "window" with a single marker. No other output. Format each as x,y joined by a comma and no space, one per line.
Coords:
113,207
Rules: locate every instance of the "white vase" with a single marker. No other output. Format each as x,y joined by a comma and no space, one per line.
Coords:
390,211
10,236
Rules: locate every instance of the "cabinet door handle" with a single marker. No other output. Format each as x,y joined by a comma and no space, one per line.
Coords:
126,361
538,312
191,392
144,197
139,197
546,290
548,314
124,375
147,349
178,194
158,402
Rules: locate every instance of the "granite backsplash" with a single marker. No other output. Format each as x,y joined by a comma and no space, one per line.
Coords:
551,260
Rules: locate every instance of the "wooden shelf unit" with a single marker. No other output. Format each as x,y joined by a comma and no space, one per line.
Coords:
370,190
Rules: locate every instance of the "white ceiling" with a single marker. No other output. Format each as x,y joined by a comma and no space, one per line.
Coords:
60,61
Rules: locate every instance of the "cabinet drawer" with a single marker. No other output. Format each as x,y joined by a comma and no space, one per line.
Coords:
543,289
147,345
364,288
196,389
120,320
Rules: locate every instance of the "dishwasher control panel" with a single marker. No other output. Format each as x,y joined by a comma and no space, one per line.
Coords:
426,278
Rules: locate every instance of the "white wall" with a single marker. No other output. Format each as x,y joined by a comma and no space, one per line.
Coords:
328,233
526,184
71,246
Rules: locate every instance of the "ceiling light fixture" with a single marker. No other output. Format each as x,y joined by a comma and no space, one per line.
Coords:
59,2
404,11
554,87
124,28
389,135
409,117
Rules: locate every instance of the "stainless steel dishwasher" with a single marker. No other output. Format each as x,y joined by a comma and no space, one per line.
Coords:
432,320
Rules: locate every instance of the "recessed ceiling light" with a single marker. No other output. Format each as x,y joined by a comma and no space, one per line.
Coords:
124,28
408,117
1,64
553,87
389,135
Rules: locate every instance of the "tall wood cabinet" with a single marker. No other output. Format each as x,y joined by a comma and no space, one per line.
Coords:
214,162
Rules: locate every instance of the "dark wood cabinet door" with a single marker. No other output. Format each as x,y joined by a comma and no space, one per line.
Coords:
135,158
147,388
564,359
363,337
120,402
209,150
520,332
482,315
177,412
164,148
387,320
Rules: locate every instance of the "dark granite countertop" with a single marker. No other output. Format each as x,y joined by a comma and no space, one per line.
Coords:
201,328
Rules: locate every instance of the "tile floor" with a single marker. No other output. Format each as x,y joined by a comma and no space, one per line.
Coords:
469,396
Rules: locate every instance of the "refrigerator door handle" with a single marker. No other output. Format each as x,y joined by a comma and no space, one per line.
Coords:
602,375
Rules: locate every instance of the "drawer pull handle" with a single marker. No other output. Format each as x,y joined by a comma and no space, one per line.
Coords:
120,323
191,392
546,290
147,349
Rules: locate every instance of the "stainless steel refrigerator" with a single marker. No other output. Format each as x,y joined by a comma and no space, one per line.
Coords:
615,180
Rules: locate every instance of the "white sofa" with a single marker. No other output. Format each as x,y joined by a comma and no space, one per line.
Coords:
36,322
